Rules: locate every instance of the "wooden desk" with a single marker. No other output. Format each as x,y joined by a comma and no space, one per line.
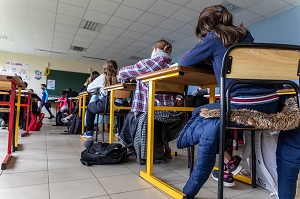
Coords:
112,89
175,76
10,82
286,91
82,107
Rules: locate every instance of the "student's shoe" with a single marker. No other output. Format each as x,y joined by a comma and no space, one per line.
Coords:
66,119
233,166
228,178
51,116
87,134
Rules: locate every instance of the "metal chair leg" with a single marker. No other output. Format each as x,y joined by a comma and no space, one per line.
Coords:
102,128
97,128
253,159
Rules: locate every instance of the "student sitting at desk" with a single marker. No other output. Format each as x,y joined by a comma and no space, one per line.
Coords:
109,77
216,33
167,124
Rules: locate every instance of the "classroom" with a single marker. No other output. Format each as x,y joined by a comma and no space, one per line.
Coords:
147,99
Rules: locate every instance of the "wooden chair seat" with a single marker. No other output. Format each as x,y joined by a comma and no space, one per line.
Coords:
4,110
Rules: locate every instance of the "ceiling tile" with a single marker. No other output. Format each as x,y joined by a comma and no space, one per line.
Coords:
62,41
59,50
160,32
124,40
83,39
149,38
280,10
176,36
170,24
101,42
43,5
42,31
96,16
297,3
71,21
133,49
113,51
150,19
244,4
193,40
87,33
185,15
180,2
80,3
98,48
255,21
65,28
112,30
70,10
140,44
200,5
63,35
60,46
243,16
104,6
181,45
42,24
119,22
81,44
118,45
160,6
61,56
107,37
291,1
266,6
131,35
42,37
13,8
42,15
128,12
187,29
142,5
140,27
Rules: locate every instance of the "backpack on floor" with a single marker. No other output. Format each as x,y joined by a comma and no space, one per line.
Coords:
104,153
74,125
265,150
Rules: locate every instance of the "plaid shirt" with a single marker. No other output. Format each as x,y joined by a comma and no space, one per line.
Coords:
140,101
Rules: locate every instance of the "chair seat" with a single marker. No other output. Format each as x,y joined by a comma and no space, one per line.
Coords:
4,110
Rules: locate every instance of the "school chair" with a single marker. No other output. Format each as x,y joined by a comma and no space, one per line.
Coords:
119,114
254,63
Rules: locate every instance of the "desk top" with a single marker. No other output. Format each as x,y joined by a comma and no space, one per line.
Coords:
122,86
83,93
185,76
73,98
7,77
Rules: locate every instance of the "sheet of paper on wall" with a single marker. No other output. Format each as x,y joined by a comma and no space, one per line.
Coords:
51,84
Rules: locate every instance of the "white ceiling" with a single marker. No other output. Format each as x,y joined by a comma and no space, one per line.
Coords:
130,26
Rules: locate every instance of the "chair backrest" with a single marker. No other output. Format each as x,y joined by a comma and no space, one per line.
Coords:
262,61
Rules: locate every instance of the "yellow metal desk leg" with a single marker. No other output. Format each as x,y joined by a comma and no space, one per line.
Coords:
79,106
111,116
212,95
17,120
83,112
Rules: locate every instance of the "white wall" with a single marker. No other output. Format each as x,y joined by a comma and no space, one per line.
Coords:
39,63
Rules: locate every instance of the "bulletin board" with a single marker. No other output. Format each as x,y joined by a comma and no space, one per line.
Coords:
60,80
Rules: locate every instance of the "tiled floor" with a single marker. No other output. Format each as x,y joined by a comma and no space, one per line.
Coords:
48,167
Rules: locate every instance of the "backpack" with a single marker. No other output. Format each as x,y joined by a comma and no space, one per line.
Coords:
74,125
265,150
104,153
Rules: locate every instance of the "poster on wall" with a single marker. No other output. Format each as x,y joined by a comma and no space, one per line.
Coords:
3,69
38,74
51,84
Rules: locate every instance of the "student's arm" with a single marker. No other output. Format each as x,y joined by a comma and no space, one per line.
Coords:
95,85
202,51
132,71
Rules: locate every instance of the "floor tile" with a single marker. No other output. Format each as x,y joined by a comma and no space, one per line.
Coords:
23,179
64,163
15,166
110,170
60,175
250,195
76,189
151,193
123,183
203,193
52,155
170,177
26,192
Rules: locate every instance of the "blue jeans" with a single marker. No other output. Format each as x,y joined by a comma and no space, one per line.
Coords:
47,108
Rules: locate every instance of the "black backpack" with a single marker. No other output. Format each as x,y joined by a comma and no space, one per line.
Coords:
104,153
74,125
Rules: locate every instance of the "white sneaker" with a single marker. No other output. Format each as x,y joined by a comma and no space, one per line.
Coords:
66,119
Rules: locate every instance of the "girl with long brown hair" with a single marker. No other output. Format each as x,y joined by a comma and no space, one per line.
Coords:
216,32
108,77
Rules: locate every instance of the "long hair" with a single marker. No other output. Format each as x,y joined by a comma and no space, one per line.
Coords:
219,20
163,45
94,75
110,69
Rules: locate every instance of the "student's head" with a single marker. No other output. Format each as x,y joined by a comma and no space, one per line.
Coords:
25,84
94,75
219,20
43,86
31,90
162,45
64,93
110,70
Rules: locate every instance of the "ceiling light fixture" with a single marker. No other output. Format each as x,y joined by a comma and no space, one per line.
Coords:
91,25
50,51
231,7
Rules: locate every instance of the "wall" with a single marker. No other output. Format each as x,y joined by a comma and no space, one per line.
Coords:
39,63
281,28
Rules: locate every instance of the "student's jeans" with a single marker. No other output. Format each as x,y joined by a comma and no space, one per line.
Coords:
94,108
44,104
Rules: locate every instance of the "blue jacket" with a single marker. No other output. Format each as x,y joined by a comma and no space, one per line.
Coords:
45,95
212,48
